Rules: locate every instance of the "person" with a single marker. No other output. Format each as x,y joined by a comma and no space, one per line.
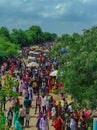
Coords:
83,124
44,125
87,114
14,89
16,116
38,103
70,109
27,119
26,93
53,114
59,108
51,102
10,117
30,96
18,125
37,124
2,69
65,104
72,123
21,87
16,105
40,115
22,114
58,123
44,102
68,125
27,104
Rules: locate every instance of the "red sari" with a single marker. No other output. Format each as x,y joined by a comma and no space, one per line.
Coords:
58,124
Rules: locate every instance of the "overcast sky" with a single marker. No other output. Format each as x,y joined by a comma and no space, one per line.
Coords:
55,16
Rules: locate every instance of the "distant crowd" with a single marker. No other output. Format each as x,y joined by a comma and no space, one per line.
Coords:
36,82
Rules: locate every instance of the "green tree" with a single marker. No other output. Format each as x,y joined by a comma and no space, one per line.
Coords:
80,74
36,34
4,32
49,37
19,37
6,91
7,48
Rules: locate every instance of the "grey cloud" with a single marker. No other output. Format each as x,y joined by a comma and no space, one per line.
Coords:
51,15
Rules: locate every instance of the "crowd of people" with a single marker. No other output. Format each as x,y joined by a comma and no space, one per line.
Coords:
36,82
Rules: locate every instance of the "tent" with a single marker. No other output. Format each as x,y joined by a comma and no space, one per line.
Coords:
54,73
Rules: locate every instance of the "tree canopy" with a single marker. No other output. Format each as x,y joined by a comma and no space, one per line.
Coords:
32,36
79,75
7,48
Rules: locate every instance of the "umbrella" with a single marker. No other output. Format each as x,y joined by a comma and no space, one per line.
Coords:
35,47
46,50
36,53
19,51
62,50
45,54
54,73
32,64
38,50
31,58
69,101
62,102
31,52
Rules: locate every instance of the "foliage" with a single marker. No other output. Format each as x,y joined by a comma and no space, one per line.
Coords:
79,75
7,88
19,37
4,32
7,48
34,35
6,91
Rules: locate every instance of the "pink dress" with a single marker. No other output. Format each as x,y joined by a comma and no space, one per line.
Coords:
21,87
87,114
12,102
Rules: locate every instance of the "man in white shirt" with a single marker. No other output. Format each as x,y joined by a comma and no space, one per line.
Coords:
53,114
44,102
70,108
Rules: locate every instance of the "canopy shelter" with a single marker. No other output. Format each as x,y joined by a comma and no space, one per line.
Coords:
31,58
34,47
54,73
33,64
46,51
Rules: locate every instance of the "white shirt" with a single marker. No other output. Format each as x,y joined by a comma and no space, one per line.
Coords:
43,124
14,89
44,101
72,124
53,112
70,108
27,117
2,68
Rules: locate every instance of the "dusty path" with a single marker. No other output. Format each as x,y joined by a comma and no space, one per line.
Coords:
33,117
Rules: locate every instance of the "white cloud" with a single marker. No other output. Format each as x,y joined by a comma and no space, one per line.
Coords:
56,10
87,1
62,8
